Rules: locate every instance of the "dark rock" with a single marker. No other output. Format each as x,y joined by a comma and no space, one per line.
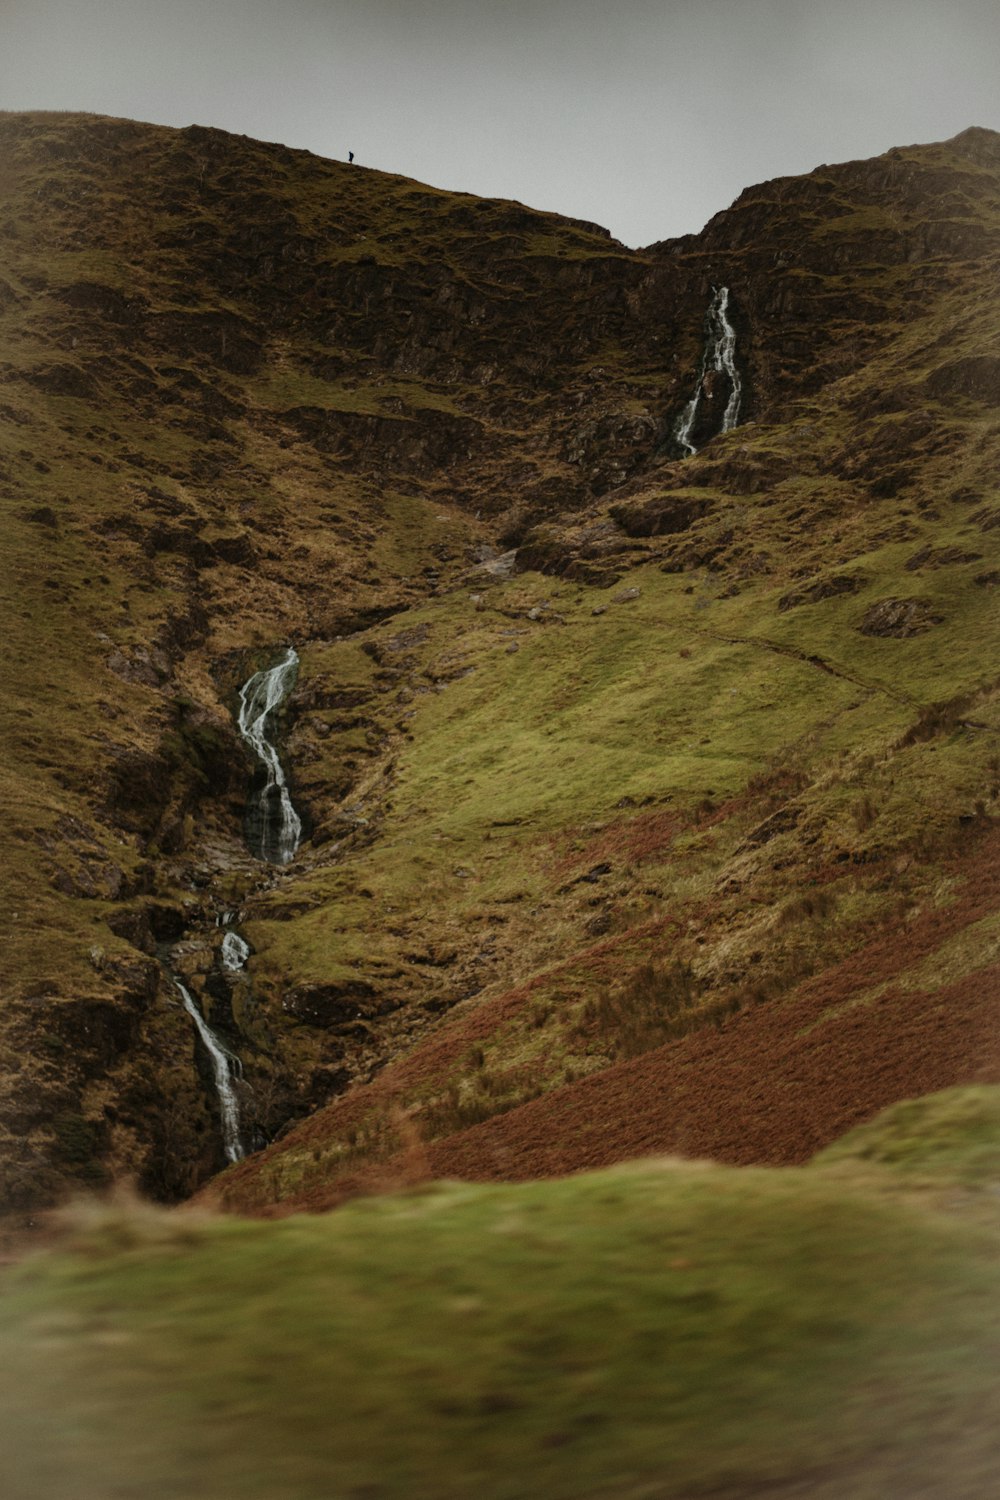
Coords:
405,640
138,787
62,380
79,1142
976,377
359,620
590,877
184,540
99,1031
599,924
438,1004
136,668
325,1084
590,555
662,516
167,923
108,303
423,439
43,515
222,337
823,588
939,557
885,459
137,979
133,924
331,1005
782,821
740,473
90,879
899,618
889,483
237,549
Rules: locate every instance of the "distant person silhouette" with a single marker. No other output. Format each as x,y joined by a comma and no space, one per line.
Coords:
350,156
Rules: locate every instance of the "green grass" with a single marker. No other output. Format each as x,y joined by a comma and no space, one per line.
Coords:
283,388
499,783
952,1136
664,1329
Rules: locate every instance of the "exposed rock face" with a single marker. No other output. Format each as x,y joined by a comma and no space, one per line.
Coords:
662,516
329,1005
899,618
977,377
823,588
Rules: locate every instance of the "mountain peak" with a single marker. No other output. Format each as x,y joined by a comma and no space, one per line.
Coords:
978,144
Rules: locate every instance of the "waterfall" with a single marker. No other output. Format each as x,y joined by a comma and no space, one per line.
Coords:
273,825
725,357
718,357
273,833
224,1066
235,952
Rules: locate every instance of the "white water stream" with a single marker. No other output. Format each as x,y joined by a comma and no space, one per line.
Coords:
235,952
226,1067
274,830
719,355
277,827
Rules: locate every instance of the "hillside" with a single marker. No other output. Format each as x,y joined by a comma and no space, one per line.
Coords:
648,796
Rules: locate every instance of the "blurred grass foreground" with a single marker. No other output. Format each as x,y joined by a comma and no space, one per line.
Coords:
667,1329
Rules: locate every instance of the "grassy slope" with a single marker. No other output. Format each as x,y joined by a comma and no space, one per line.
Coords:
665,1330
657,738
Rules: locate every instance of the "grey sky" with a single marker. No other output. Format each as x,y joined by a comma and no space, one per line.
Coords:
645,115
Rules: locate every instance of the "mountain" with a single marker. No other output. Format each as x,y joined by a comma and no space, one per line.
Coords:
645,726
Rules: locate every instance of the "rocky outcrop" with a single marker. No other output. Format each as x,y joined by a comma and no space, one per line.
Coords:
823,588
899,618
333,1005
977,377
663,515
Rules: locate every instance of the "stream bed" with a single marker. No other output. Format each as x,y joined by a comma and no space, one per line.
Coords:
273,831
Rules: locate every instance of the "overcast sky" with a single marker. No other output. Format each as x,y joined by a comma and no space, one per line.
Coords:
647,116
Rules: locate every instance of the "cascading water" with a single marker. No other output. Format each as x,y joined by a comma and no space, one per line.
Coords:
235,952
273,833
273,826
225,1067
719,358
